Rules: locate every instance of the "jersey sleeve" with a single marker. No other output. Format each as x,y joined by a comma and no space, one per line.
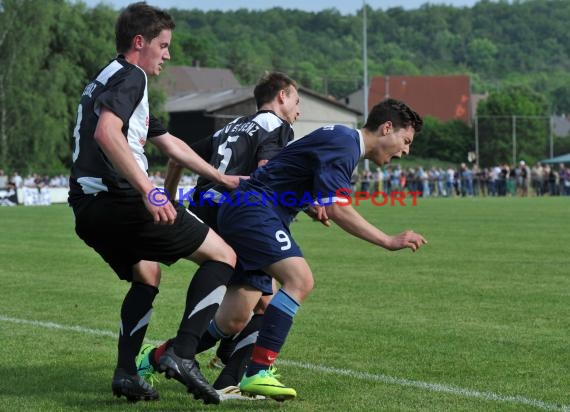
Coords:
203,148
155,127
123,92
336,163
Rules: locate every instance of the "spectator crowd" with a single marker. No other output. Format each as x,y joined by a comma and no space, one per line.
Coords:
500,180
33,180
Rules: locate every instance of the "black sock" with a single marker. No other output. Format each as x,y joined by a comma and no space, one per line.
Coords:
237,363
135,316
209,339
205,293
225,349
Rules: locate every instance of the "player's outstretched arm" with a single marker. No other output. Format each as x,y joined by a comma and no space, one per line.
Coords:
173,176
352,222
182,154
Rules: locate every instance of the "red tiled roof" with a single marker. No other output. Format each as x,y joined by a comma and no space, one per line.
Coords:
444,97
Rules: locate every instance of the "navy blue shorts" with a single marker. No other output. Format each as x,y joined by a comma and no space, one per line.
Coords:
259,238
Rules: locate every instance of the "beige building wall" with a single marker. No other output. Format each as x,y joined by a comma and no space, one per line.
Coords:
315,113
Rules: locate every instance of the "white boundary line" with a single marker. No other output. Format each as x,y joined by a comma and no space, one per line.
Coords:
432,387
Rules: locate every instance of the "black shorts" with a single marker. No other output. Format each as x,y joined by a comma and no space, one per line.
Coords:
208,214
123,232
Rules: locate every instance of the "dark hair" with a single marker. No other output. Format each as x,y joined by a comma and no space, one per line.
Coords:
399,113
269,85
140,18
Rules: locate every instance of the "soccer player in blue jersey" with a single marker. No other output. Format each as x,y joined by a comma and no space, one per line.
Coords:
317,166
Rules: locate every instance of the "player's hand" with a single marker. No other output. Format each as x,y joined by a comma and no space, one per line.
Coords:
231,182
318,213
158,204
407,239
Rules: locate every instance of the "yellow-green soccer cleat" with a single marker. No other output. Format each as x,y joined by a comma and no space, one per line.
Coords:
265,383
144,367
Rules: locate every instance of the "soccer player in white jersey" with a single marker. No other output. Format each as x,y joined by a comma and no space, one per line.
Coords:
123,216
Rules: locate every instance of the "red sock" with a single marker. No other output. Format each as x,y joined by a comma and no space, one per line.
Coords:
159,350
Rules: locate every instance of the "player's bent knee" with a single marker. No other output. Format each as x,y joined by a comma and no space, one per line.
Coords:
232,326
306,289
147,272
299,288
226,254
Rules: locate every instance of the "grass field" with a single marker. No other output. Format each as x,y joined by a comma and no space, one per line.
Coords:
477,320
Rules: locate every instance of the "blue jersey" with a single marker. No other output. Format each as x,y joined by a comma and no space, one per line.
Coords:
315,166
308,170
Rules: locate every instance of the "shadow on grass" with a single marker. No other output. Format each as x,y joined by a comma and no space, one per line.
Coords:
70,387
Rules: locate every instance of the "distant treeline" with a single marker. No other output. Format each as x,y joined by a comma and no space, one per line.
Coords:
49,50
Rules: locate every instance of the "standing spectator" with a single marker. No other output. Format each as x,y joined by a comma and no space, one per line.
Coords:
406,178
441,182
450,182
502,180
396,180
524,177
432,181
564,180
480,180
366,178
388,180
17,180
466,180
354,180
3,179
512,181
30,180
537,179
378,181
551,180
423,184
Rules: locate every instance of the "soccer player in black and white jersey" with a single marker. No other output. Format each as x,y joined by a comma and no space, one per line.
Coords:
237,149
119,212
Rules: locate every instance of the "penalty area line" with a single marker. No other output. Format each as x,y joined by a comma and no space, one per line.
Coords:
386,379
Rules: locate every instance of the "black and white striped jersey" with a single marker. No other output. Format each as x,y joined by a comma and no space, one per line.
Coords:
237,148
122,88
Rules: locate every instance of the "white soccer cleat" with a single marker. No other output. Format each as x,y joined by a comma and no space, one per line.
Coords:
234,393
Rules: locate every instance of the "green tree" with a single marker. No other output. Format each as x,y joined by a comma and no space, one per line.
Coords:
561,100
481,54
515,111
447,141
24,53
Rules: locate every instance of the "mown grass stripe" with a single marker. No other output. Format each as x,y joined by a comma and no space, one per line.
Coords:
433,387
